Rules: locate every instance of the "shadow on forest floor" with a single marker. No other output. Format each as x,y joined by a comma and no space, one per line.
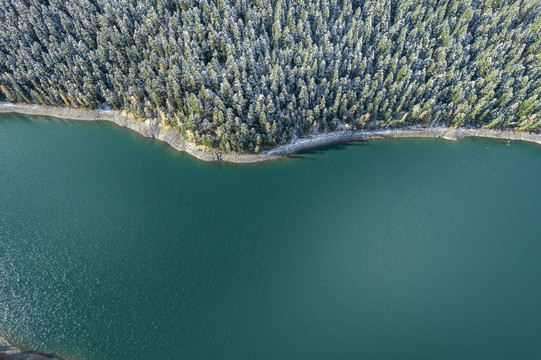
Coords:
310,154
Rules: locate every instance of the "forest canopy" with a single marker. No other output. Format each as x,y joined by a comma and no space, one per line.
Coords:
243,75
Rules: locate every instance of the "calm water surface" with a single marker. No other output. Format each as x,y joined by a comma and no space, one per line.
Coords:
113,246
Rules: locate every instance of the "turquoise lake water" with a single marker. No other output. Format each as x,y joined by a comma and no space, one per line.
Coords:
113,246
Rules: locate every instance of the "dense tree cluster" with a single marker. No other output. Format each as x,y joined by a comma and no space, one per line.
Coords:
246,74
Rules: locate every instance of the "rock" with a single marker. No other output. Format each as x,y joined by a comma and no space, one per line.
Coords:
9,352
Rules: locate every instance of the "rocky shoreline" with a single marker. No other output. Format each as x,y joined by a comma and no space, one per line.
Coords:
153,128
10,352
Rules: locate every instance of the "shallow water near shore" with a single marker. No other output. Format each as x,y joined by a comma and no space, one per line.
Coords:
114,246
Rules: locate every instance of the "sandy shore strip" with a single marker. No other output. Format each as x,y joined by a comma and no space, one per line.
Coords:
10,352
153,128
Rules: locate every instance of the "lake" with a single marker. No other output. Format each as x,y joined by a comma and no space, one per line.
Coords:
114,246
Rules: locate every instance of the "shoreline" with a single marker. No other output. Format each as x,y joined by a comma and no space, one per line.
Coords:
442,132
153,128
8,351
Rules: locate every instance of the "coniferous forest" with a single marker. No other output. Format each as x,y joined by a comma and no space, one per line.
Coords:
246,75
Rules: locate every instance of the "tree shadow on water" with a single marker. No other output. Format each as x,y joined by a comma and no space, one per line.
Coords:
311,154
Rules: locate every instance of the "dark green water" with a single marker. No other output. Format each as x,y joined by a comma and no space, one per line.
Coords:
113,246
